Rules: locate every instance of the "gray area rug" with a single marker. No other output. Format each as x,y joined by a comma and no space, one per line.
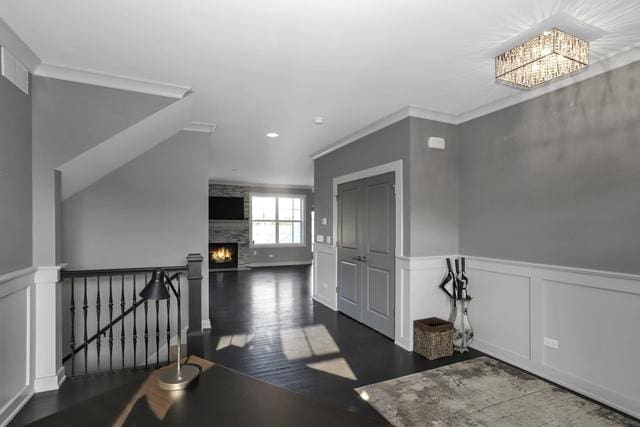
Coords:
483,392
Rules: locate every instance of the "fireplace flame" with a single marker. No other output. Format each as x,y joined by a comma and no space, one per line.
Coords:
221,255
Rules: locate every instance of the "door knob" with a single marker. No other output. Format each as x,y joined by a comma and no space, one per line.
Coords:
363,259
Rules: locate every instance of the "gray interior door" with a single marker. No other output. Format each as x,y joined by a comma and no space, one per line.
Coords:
366,252
350,249
378,258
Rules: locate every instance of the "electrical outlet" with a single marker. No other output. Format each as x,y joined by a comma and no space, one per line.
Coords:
320,238
328,240
323,221
255,252
270,255
551,343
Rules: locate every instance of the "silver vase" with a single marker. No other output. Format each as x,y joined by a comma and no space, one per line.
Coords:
463,332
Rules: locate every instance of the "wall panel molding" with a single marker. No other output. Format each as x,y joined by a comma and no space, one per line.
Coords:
325,280
17,322
528,317
591,314
418,295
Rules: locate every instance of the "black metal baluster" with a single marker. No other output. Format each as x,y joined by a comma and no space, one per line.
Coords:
146,330
135,328
72,309
168,330
178,300
85,310
157,333
99,339
122,322
111,323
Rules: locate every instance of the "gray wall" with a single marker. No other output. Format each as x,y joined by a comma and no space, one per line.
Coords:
556,180
434,194
68,119
430,181
150,212
386,145
301,254
15,178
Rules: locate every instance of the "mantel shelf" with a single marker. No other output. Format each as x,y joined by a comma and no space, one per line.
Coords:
229,224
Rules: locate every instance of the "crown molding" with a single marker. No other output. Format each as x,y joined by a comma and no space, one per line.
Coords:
437,116
18,48
202,127
396,116
256,185
617,60
113,81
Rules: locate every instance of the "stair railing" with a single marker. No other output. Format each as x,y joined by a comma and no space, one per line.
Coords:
109,326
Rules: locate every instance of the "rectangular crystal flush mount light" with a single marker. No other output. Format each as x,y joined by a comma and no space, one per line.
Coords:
548,56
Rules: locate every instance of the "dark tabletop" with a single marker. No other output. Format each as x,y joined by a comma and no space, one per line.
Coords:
221,397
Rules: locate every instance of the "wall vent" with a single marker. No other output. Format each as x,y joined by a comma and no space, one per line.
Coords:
14,71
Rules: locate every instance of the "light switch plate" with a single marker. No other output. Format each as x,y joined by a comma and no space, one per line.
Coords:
323,221
551,343
329,240
320,238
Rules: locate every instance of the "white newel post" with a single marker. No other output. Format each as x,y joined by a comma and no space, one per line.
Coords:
49,372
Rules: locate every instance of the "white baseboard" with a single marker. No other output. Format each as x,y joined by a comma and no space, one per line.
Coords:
404,343
278,263
206,324
325,302
578,385
49,383
11,409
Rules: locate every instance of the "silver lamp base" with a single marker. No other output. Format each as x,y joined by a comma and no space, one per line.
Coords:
169,379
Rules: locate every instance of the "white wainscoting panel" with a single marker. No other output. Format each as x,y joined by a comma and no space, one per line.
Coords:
16,338
324,275
594,316
418,295
499,311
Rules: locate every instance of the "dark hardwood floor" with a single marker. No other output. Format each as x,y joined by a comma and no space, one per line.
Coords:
265,324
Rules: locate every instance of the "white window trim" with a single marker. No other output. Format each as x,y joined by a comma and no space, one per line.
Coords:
303,220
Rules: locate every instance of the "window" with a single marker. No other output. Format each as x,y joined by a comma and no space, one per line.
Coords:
277,220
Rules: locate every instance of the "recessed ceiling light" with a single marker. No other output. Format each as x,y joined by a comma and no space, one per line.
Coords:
272,135
318,120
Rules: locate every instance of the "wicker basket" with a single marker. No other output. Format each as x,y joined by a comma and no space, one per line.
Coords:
433,338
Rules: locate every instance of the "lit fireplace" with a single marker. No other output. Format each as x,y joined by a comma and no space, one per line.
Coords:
223,255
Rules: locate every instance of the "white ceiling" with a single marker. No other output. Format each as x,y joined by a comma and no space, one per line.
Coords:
273,65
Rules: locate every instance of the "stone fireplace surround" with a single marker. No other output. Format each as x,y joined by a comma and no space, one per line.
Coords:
232,231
